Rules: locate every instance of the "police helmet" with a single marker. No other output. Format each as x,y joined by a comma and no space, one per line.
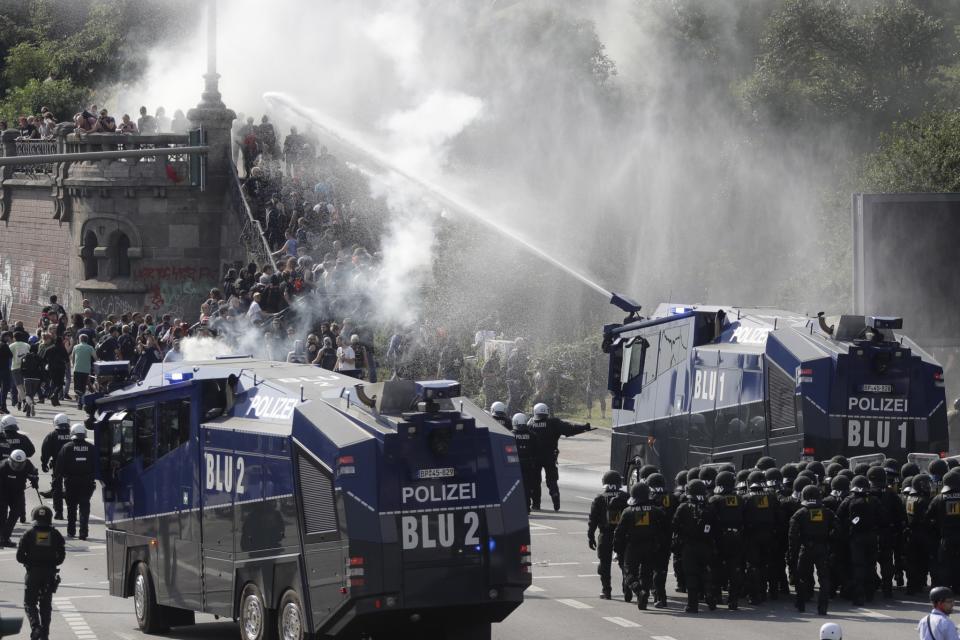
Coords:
18,457
806,473
801,483
953,463
922,483
498,409
766,462
648,470
840,483
909,469
9,423
656,481
802,465
951,482
891,466
743,475
938,468
817,468
693,473
78,430
61,420
639,493
877,476
833,469
810,494
831,631
906,486
789,472
859,484
773,477
612,478
696,489
728,466
939,594
541,410
861,469
42,516
755,480
726,480
708,475
841,460
847,473
680,479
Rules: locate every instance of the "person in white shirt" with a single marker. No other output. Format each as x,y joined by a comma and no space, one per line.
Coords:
346,356
937,625
254,313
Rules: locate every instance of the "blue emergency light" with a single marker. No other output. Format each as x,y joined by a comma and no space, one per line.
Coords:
177,376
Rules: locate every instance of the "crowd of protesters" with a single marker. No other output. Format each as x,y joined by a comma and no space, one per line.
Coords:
42,126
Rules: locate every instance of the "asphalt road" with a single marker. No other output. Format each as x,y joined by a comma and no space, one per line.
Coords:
563,602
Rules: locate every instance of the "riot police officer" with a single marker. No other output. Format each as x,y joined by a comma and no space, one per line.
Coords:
498,411
760,519
635,541
668,503
839,550
51,446
548,431
694,525
936,470
743,486
944,515
646,471
789,473
604,517
766,462
15,472
773,479
893,524
41,551
860,519
75,464
679,493
811,528
922,544
709,477
729,564
526,454
789,506
15,439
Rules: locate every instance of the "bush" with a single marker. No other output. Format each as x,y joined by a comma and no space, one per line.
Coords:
62,97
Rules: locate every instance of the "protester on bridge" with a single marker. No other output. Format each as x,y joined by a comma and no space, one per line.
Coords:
180,124
126,125
163,122
146,123
41,550
105,123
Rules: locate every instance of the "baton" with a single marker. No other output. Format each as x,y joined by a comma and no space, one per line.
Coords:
37,489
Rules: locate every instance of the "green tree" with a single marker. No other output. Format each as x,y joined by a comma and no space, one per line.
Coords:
62,97
25,61
922,154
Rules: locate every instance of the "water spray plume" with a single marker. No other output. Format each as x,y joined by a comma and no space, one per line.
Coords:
353,144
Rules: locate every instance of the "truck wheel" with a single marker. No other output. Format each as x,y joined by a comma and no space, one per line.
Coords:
291,624
149,618
256,620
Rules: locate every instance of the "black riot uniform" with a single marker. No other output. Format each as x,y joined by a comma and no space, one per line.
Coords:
811,527
41,551
667,502
679,493
527,455
860,519
788,506
75,464
839,549
16,440
635,541
604,517
13,483
52,443
548,431
922,545
944,515
894,522
761,519
694,525
729,565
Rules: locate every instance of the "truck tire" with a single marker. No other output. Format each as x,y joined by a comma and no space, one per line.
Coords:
256,620
291,624
149,616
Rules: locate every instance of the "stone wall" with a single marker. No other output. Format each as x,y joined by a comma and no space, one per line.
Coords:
35,255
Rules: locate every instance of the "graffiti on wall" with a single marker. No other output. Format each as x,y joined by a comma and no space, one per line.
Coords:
177,290
22,286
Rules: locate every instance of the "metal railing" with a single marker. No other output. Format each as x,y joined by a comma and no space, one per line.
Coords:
35,148
251,233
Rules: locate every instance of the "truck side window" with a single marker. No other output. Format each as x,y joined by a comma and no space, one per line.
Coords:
123,438
213,398
174,426
146,431
650,361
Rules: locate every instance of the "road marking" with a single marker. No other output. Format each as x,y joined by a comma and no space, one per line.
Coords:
662,638
587,499
586,575
68,611
535,589
536,577
867,613
576,604
536,526
547,563
545,533
623,622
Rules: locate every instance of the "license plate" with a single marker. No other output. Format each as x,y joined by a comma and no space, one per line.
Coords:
878,434
430,474
438,531
876,388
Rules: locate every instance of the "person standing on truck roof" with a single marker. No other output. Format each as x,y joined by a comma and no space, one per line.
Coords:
41,551
75,464
548,430
49,451
527,445
604,517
